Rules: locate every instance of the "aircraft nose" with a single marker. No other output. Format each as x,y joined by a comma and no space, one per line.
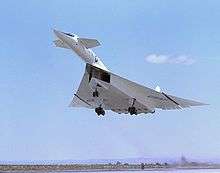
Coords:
59,34
55,31
64,36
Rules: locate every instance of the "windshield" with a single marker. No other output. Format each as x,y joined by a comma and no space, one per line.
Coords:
69,34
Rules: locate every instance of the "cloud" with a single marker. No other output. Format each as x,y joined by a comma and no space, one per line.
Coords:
170,59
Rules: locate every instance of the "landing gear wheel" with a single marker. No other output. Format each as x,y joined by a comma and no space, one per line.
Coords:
97,110
132,110
103,112
100,111
95,93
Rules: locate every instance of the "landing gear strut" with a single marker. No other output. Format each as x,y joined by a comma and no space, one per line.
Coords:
132,110
100,111
95,93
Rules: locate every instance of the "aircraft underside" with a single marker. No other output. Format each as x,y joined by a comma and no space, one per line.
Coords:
102,90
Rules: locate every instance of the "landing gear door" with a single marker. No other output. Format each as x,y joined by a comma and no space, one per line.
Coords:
98,74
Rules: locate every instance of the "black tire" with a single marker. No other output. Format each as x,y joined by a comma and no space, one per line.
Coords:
100,111
97,111
132,110
103,112
95,94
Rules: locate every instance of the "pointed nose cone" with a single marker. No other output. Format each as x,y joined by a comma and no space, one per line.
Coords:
55,32
65,37
59,34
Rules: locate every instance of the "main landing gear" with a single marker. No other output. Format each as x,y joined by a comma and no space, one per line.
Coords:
100,111
132,110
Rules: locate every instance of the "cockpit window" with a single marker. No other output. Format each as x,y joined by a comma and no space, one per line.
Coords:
69,34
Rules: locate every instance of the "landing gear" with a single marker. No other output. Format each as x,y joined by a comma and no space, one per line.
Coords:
132,110
100,111
95,93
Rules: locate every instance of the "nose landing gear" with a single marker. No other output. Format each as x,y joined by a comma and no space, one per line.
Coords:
132,110
100,111
95,93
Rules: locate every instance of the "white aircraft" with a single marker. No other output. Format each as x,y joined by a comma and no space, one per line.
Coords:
102,90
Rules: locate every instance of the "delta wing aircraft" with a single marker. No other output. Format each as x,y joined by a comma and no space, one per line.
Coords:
103,90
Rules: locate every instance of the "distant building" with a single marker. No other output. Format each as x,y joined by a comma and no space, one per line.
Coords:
118,163
183,160
142,166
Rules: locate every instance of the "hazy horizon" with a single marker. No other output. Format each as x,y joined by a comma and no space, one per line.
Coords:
161,160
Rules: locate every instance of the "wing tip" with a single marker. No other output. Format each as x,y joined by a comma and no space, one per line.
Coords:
203,104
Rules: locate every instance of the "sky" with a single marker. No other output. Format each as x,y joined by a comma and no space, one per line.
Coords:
173,44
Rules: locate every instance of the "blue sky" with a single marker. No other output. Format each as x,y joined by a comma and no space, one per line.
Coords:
38,80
